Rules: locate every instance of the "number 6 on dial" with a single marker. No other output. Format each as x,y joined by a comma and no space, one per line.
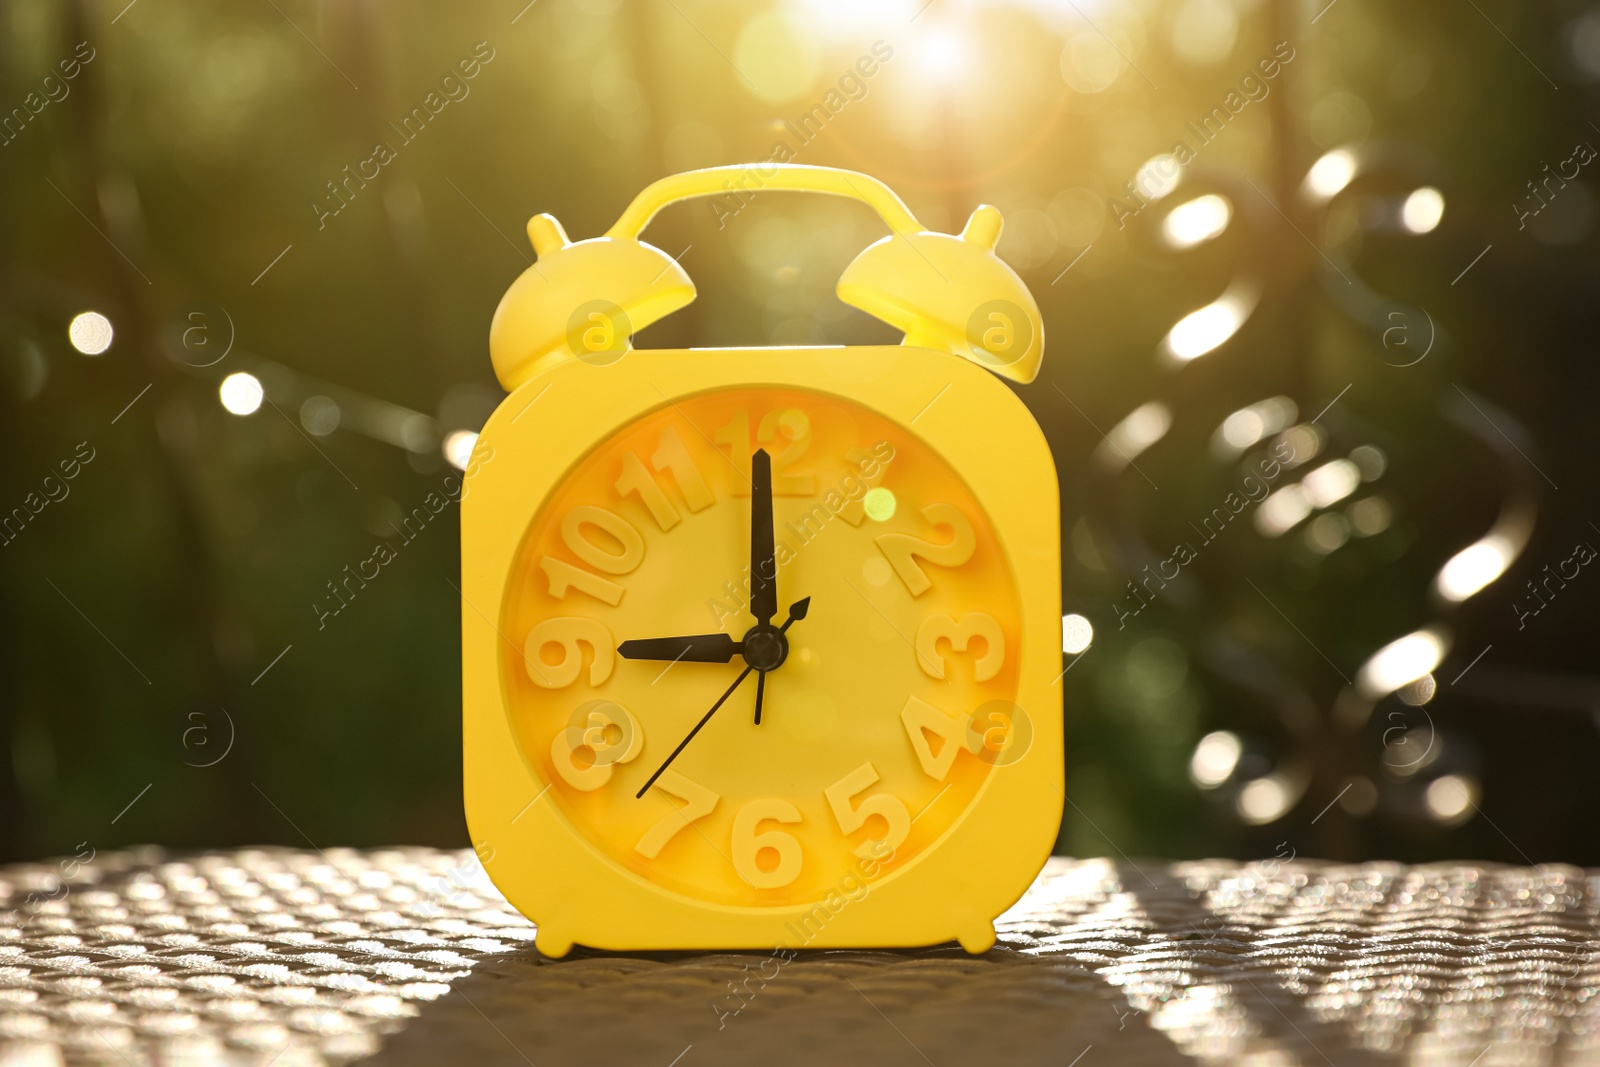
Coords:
748,845
885,805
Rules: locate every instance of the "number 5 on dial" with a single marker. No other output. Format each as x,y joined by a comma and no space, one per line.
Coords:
885,805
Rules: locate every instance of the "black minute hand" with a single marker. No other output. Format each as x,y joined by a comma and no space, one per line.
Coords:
763,564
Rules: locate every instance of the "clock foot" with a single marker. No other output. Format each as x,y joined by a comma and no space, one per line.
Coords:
552,944
978,940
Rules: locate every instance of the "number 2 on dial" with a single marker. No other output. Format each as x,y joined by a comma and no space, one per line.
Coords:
902,549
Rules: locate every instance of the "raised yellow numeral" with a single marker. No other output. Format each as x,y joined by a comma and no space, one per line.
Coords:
736,436
601,557
922,720
568,632
698,802
610,735
886,806
902,550
960,634
796,426
564,576
748,844
671,455
635,478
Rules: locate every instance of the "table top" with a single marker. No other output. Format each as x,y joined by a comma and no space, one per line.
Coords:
284,957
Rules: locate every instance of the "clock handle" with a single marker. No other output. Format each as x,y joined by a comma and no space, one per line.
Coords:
741,180
946,292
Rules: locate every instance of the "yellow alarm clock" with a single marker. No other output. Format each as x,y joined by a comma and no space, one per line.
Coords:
761,645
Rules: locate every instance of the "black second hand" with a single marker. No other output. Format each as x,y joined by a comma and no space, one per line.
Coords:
797,611
703,720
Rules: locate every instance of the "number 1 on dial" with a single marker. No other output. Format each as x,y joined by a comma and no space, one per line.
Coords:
636,479
671,455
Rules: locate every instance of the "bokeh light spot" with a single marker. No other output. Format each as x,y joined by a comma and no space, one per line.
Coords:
319,415
1327,533
1141,428
1472,568
1400,662
1450,797
1196,221
1077,634
1370,515
1158,176
1330,174
458,447
1089,62
876,571
1214,758
1331,482
1265,800
1201,331
1422,210
241,393
777,57
90,333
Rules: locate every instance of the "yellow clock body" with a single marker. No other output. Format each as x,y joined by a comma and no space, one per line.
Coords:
903,783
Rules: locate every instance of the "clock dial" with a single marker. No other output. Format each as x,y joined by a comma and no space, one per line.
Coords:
881,647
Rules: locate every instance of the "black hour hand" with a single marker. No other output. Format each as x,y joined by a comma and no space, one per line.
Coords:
697,648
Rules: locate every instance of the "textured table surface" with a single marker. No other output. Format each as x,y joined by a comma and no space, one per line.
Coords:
409,956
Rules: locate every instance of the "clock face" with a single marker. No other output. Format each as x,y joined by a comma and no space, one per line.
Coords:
886,673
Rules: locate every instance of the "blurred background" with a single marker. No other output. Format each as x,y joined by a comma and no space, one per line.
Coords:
1319,378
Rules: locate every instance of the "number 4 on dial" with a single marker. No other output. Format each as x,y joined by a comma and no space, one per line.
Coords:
923,719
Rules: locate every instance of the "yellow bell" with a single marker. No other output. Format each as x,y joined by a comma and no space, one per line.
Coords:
951,294
945,292
581,299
